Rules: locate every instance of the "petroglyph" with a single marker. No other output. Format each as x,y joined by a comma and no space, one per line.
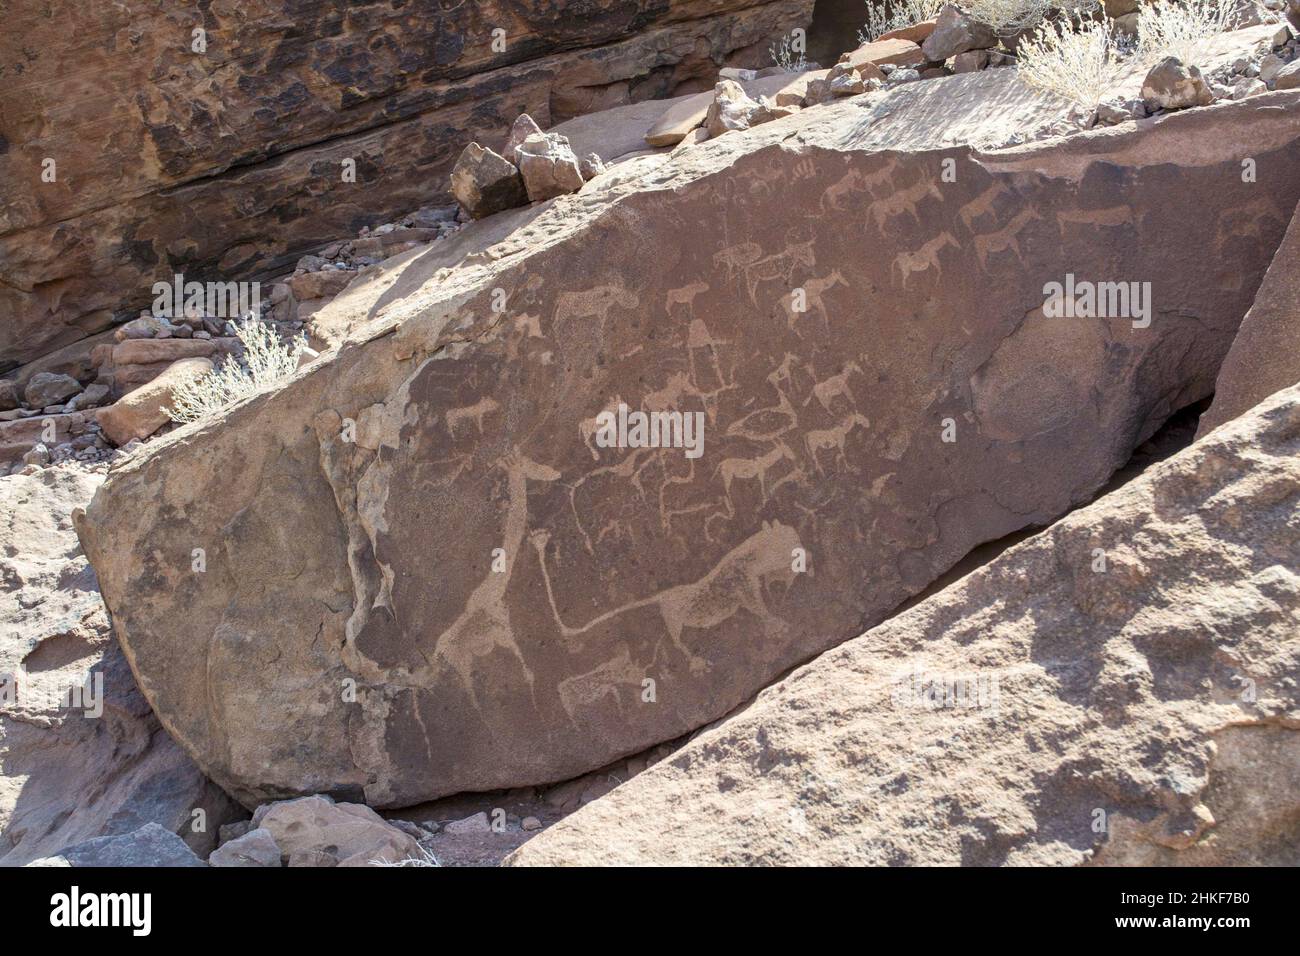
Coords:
595,303
836,386
733,468
456,417
580,694
485,625
821,439
734,584
924,258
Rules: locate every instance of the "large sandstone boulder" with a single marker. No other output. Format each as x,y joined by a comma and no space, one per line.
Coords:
1120,689
1265,355
246,165
73,773
428,572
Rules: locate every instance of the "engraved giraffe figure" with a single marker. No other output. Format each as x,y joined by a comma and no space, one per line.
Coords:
485,625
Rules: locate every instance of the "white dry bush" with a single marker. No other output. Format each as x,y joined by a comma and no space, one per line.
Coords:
1185,28
267,360
1078,60
787,57
903,13
1012,16
424,859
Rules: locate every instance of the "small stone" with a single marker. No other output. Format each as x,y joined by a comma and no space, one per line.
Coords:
254,848
956,31
693,138
548,166
971,61
523,127
1173,85
8,395
50,388
737,74
1288,78
904,75
591,166
847,84
731,109
530,823
485,182
1270,66
478,823
39,455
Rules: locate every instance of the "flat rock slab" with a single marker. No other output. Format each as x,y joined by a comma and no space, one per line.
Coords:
425,572
1040,711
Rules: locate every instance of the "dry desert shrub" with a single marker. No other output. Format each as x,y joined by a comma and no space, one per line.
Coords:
267,360
903,13
1078,60
1184,28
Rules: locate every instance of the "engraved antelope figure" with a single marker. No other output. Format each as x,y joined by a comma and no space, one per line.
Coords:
820,439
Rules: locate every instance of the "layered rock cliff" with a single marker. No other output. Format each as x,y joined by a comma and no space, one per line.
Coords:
144,138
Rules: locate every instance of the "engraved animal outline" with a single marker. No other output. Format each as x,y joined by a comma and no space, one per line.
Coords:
819,439
594,303
749,468
813,290
484,624
735,583
834,387
476,412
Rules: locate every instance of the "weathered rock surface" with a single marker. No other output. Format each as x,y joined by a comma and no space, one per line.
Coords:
1265,355
474,592
69,774
243,170
149,846
1144,714
316,831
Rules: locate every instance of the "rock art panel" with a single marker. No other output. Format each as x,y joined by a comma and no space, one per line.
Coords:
432,570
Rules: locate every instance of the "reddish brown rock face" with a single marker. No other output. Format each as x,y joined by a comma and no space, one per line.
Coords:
433,516
228,161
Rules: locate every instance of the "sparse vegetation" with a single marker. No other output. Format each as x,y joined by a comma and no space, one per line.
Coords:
1183,28
787,57
1075,59
903,13
266,360
1080,58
